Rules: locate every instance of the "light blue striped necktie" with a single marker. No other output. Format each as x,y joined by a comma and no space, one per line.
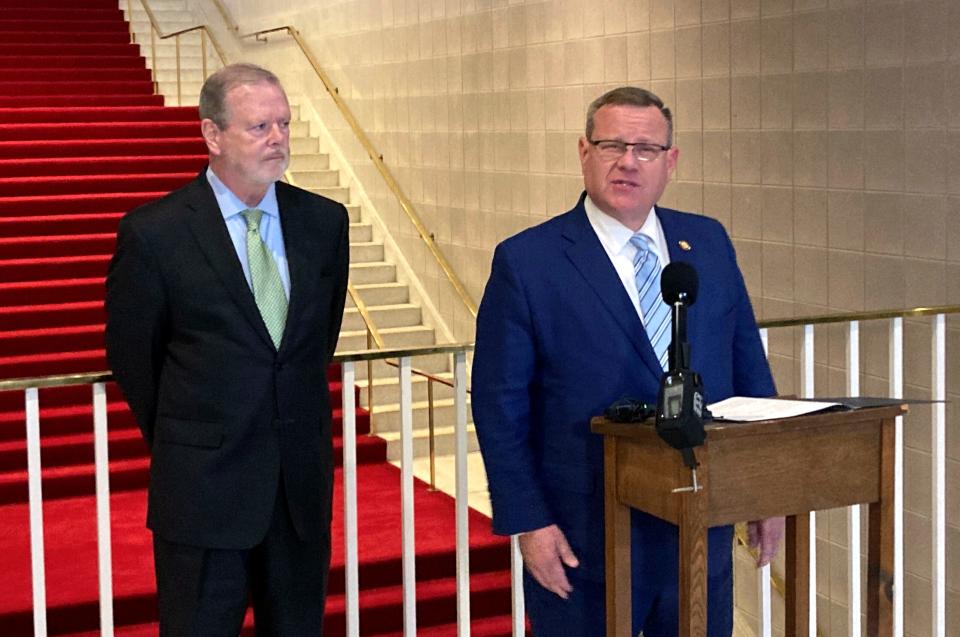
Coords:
656,313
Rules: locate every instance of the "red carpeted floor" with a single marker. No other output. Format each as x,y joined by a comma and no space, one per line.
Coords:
82,140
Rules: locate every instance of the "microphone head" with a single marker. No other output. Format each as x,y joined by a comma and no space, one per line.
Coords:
679,282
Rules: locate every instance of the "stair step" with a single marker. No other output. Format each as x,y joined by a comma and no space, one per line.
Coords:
77,479
383,293
44,62
28,342
367,273
91,184
100,166
366,251
47,225
57,245
86,24
90,74
91,37
192,144
383,316
315,161
63,13
98,130
71,50
361,232
77,315
54,268
413,336
79,99
74,362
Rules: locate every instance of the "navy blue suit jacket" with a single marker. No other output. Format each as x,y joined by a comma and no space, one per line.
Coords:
558,340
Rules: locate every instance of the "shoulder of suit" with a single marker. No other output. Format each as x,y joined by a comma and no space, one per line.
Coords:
164,210
545,230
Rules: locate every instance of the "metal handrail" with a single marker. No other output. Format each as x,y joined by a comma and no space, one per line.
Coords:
156,31
377,159
859,316
86,378
233,26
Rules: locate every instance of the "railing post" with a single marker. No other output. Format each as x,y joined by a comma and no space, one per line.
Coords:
764,603
407,503
351,569
35,498
203,54
431,439
519,610
370,382
462,494
853,512
102,471
895,361
807,380
179,87
938,449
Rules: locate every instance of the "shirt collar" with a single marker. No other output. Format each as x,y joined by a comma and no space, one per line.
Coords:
614,235
231,205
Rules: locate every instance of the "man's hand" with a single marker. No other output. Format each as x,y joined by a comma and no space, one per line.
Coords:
545,553
764,535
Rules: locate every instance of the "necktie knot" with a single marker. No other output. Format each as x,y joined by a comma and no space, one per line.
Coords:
642,243
252,216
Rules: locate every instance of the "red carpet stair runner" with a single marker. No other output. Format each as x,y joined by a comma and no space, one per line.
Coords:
82,140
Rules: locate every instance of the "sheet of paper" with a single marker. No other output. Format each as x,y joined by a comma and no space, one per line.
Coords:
745,409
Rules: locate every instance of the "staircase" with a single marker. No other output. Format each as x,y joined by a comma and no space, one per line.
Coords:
397,318
82,140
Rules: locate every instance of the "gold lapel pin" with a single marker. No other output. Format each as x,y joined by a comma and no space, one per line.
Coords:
684,246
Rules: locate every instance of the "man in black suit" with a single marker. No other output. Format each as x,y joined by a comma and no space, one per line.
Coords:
224,304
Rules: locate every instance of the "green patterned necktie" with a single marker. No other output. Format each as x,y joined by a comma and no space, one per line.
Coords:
267,286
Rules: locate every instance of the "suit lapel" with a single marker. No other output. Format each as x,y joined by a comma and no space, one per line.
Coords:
294,238
675,232
210,231
590,259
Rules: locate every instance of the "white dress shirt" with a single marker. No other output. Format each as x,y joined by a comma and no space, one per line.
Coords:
615,239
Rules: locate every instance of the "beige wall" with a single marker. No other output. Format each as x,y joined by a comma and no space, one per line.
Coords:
824,134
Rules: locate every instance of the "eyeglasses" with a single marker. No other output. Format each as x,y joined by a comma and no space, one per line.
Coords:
613,149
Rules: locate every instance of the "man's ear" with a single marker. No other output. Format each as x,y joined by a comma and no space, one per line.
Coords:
582,146
211,135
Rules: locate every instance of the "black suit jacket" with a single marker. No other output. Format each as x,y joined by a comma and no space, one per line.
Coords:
225,414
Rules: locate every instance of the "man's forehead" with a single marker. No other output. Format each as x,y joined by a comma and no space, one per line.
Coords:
617,114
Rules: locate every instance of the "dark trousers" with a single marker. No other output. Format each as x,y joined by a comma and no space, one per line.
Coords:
203,592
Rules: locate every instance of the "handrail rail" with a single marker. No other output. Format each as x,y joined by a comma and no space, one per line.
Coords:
155,30
153,22
226,16
447,348
823,319
85,378
405,204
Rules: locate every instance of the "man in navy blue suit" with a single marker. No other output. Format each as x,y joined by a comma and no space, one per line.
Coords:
561,335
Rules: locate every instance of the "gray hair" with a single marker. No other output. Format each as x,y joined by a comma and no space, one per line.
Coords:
214,92
629,96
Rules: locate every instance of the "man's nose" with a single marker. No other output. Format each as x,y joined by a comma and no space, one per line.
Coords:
277,135
628,161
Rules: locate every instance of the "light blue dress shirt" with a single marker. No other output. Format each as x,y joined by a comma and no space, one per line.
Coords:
270,231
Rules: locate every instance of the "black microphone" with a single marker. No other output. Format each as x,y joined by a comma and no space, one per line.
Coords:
679,285
680,405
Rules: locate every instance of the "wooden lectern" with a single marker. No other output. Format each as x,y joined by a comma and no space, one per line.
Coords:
752,471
